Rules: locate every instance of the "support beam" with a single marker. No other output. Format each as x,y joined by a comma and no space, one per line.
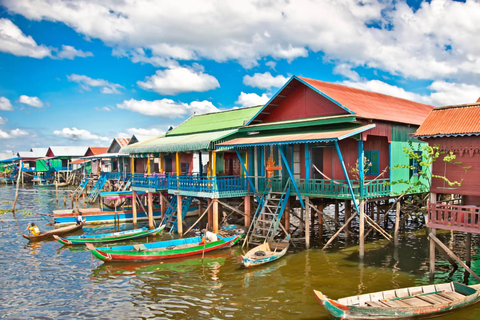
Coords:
210,213
249,179
163,205
307,222
247,208
179,215
286,214
134,207
150,210
148,166
133,166
361,231
397,223
214,163
340,230
292,179
215,215
452,255
177,164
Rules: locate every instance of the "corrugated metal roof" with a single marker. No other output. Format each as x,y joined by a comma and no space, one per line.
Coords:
361,103
215,121
98,150
40,152
372,105
122,141
190,142
451,121
68,151
310,137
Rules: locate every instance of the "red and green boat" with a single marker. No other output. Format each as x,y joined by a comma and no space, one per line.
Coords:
406,303
164,249
110,237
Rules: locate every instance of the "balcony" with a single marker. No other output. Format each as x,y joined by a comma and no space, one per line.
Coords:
454,217
208,187
153,182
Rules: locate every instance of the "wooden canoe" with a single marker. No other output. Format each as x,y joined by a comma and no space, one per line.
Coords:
266,252
110,237
49,234
407,303
162,250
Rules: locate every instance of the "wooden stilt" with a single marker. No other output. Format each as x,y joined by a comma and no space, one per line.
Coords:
215,215
18,184
432,253
361,231
286,214
210,213
83,198
307,222
150,210
247,205
134,208
320,222
397,223
348,213
468,249
179,215
162,205
337,210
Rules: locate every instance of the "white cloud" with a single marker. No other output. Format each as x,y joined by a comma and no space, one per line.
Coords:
152,132
86,83
3,120
251,99
5,104
69,52
264,80
79,134
15,133
167,107
14,41
18,133
177,79
31,101
445,93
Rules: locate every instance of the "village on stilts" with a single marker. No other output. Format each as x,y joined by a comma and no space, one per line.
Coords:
318,163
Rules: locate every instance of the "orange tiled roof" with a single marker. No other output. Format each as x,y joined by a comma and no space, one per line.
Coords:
452,120
372,105
98,150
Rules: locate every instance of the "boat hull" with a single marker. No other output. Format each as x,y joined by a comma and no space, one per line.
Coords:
112,254
110,237
252,259
436,307
49,234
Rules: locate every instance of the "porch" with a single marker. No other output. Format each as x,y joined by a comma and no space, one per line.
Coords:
209,187
454,217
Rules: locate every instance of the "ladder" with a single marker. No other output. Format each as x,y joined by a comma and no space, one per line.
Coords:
268,215
170,219
81,186
92,196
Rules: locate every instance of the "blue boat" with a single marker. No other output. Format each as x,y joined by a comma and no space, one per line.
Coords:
265,253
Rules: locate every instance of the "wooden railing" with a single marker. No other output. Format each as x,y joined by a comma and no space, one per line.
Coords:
454,217
154,181
196,183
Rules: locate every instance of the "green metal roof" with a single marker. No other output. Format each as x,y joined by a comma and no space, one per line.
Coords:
216,121
190,142
297,123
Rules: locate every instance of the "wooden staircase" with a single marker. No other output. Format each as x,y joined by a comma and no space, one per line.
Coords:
267,218
170,219
92,196
81,187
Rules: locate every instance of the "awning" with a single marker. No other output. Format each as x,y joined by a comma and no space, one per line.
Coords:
168,144
282,139
9,160
105,156
79,161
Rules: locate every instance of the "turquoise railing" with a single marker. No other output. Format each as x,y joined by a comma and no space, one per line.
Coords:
156,181
191,183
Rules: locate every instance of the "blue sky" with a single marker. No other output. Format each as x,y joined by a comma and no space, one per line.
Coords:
81,72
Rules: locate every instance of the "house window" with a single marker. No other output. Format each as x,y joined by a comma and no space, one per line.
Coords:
415,166
184,167
372,162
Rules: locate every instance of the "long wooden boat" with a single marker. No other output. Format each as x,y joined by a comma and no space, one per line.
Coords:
60,231
266,252
407,303
110,237
44,186
164,249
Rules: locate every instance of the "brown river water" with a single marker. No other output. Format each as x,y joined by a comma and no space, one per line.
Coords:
46,280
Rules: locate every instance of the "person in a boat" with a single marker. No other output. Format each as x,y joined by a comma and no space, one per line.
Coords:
33,229
79,219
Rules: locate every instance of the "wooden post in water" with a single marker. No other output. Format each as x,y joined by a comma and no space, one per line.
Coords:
397,222
320,222
150,210
247,206
134,208
337,212
210,213
179,215
286,214
468,249
83,197
18,184
307,222
361,231
56,192
215,215
162,205
432,254
64,201
348,213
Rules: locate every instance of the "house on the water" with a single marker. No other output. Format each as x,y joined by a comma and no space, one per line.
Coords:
299,152
456,207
